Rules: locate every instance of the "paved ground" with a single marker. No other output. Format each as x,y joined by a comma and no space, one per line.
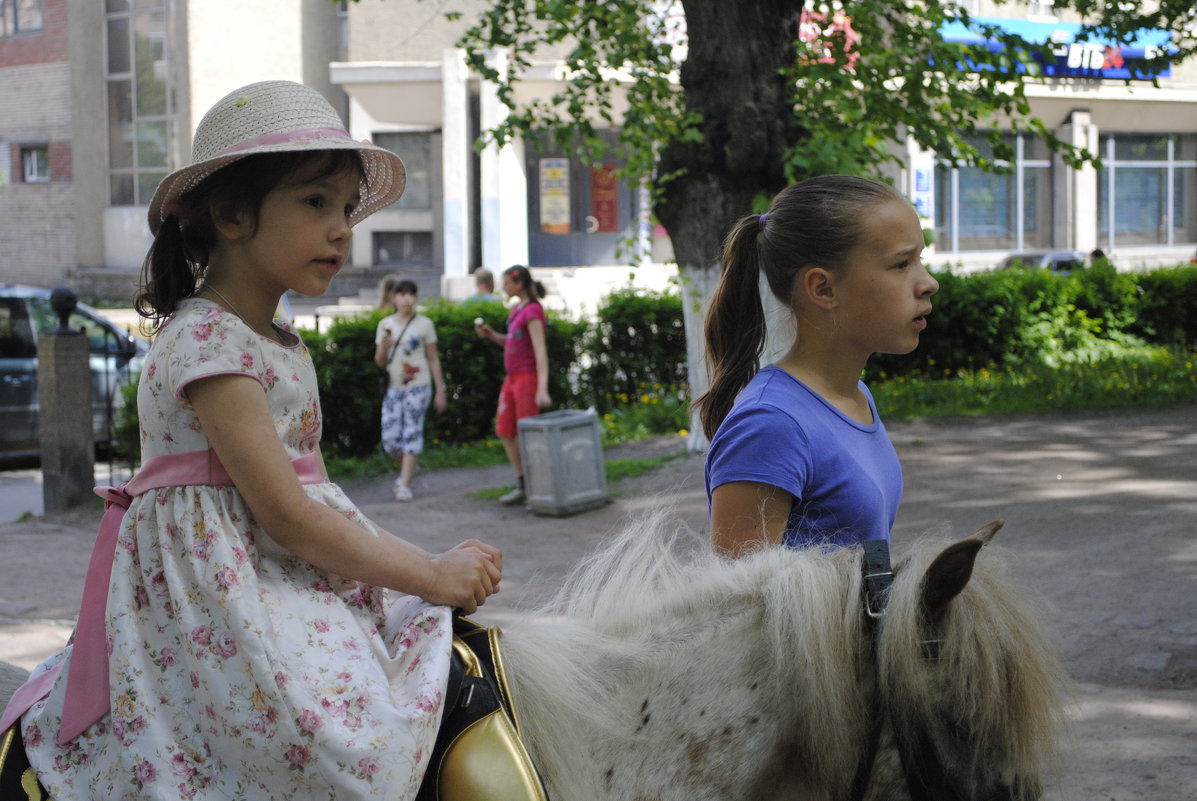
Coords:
1100,508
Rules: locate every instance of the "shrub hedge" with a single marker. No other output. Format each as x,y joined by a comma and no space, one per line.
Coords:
473,370
637,344
634,353
1015,318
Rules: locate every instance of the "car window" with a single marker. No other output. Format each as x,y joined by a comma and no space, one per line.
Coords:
16,336
101,337
1066,265
1021,261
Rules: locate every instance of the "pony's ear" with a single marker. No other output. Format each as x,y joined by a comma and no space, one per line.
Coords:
949,573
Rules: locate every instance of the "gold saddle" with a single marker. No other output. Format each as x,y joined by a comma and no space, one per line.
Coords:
479,753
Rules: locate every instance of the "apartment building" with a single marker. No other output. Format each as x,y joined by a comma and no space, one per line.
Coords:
410,89
99,100
1139,207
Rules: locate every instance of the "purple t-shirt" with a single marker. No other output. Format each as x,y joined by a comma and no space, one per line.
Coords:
518,356
844,475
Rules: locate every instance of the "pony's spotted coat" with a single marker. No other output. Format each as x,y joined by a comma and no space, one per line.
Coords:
667,673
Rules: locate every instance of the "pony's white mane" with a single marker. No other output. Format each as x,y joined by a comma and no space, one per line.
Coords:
996,667
657,585
657,582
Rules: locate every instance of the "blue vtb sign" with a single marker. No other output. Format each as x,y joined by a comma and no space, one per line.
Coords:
1065,56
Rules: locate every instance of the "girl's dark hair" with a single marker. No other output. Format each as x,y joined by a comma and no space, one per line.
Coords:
179,255
392,284
522,276
813,222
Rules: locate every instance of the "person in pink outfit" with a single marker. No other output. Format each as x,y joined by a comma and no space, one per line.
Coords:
525,388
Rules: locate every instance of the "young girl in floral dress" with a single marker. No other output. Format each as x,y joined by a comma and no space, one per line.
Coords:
246,633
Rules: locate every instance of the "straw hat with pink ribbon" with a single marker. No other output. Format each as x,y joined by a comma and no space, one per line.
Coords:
276,117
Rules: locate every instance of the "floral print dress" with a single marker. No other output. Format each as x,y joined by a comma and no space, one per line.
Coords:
237,670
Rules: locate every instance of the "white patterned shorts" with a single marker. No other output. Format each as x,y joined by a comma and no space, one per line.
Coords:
403,412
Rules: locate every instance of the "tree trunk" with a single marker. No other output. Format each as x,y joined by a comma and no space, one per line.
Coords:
747,125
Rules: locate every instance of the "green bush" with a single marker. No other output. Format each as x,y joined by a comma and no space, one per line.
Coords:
636,347
1024,318
1167,306
631,364
126,430
348,381
473,370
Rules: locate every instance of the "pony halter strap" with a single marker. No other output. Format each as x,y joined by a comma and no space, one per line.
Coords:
878,576
927,779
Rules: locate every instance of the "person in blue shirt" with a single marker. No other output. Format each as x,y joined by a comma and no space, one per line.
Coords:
798,453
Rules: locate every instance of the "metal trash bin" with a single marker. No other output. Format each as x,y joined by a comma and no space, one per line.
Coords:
563,462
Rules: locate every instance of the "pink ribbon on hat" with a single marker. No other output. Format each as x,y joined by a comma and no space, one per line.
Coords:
87,691
285,137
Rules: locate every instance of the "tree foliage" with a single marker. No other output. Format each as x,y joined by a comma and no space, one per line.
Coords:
834,101
763,96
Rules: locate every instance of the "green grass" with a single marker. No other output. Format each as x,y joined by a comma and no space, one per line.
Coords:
663,410
492,493
1145,377
615,469
436,457
618,469
375,464
471,454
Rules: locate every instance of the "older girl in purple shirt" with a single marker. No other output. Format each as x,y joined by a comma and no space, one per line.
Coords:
798,453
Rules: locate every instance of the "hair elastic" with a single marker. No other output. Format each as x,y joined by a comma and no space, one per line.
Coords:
760,221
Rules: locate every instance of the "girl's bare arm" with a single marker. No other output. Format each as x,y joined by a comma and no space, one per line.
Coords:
746,515
236,419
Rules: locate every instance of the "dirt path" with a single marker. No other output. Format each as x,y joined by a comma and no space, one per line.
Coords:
1099,509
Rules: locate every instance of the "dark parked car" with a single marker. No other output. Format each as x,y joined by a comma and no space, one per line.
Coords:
1058,261
116,356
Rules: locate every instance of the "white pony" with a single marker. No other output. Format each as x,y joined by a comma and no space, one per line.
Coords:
670,673
666,673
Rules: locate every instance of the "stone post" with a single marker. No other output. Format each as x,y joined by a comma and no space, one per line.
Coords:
65,418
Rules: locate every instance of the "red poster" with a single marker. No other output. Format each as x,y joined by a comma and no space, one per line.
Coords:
604,200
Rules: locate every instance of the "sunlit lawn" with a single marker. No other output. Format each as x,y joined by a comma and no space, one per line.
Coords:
1148,377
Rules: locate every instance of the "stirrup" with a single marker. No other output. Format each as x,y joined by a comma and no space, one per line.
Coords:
18,781
479,752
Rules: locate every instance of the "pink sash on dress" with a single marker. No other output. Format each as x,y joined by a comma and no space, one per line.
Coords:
87,697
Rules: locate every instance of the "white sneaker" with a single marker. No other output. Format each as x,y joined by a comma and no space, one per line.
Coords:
512,498
402,493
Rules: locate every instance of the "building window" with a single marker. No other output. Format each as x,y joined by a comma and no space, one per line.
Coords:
343,22
402,248
20,16
415,148
1147,190
1042,9
141,98
977,210
35,164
